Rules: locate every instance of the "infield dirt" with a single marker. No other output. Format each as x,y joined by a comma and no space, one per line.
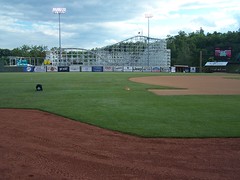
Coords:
193,85
39,145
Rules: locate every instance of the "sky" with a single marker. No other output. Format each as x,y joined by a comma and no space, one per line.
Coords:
97,23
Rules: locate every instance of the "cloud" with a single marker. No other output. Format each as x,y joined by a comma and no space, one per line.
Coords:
204,22
92,23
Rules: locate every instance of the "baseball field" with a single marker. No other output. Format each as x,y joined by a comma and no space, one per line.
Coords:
120,126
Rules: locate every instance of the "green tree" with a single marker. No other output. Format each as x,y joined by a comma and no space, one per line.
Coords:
185,48
30,51
5,52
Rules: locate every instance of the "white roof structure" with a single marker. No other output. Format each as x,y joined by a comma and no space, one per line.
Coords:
135,51
216,64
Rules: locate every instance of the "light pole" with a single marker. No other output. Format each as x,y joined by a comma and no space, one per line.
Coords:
59,11
148,16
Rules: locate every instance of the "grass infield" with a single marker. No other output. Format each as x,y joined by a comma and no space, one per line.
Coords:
111,101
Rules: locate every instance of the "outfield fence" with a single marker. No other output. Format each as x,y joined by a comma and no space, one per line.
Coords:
76,68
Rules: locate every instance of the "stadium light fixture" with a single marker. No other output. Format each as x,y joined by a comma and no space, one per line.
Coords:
59,11
148,16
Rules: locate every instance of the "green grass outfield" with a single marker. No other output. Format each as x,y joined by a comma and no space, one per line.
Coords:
101,99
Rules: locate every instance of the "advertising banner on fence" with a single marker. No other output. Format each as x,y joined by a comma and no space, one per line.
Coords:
74,68
193,69
147,69
156,69
86,68
118,68
28,68
40,69
52,69
173,69
97,69
107,68
127,69
137,69
63,68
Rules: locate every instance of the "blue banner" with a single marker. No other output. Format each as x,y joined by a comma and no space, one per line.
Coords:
28,68
97,69
63,68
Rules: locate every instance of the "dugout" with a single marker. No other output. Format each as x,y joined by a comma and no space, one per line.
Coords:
182,68
216,67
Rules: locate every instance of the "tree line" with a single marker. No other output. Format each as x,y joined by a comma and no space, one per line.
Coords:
25,51
185,48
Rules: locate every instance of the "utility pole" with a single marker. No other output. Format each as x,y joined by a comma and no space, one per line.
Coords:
200,65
